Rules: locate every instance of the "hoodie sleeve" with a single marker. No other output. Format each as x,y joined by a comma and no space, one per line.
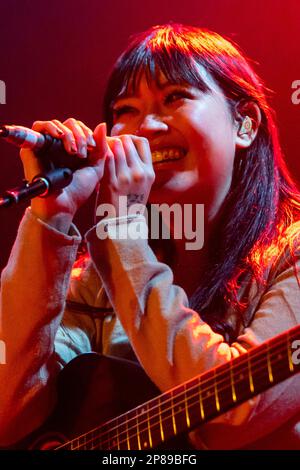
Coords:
34,287
171,341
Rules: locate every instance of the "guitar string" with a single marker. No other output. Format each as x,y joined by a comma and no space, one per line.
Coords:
212,381
127,430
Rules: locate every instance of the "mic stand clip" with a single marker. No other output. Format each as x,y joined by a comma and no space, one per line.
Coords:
42,185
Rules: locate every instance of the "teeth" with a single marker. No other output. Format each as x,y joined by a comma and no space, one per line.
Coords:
167,154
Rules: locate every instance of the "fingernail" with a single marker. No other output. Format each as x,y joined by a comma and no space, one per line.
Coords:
91,141
103,127
83,150
73,147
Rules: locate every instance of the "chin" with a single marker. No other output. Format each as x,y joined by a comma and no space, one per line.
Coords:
160,185
163,192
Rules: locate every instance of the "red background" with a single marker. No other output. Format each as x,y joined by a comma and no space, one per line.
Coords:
55,58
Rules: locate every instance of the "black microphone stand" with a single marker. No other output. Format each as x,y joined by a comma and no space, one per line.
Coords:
41,185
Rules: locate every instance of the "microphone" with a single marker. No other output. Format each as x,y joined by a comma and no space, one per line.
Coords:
49,150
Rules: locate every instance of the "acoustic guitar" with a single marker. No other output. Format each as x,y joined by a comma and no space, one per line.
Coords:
110,404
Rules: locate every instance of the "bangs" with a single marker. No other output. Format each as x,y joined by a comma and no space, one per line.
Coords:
179,54
175,65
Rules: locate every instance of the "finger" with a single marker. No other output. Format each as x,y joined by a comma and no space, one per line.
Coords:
120,161
102,151
109,176
131,153
79,136
49,127
143,148
88,133
56,129
141,145
99,135
64,133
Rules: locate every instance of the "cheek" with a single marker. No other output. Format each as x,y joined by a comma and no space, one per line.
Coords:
217,136
220,156
124,127
212,138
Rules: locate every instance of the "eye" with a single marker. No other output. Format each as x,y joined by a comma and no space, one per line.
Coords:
120,110
176,95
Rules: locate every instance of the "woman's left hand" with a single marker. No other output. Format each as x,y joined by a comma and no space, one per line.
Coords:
128,173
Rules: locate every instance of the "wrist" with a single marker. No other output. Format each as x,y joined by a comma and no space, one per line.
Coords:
60,220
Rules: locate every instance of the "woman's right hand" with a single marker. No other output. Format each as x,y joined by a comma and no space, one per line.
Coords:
59,208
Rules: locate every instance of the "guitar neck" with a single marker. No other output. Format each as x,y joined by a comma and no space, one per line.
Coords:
200,399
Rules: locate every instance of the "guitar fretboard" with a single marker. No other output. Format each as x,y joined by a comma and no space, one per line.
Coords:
198,400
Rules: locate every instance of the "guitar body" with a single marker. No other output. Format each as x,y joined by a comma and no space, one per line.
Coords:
92,389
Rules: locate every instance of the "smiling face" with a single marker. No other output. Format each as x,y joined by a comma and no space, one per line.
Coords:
192,137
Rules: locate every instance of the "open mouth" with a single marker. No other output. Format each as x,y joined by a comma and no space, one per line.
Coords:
168,154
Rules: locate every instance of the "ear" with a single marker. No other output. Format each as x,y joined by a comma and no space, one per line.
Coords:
247,119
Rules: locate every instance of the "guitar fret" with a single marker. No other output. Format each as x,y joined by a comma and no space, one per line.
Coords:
80,443
93,441
270,373
127,435
144,439
250,375
84,445
98,440
90,441
112,443
216,393
173,415
138,430
154,425
240,379
114,438
117,436
202,414
187,416
133,430
180,417
99,444
209,394
233,392
160,423
279,356
149,428
288,341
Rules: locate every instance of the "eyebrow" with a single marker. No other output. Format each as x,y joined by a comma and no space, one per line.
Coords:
123,95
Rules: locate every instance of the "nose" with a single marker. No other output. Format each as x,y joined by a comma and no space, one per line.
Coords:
152,124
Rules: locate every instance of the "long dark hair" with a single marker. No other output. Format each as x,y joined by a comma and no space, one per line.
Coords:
263,200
